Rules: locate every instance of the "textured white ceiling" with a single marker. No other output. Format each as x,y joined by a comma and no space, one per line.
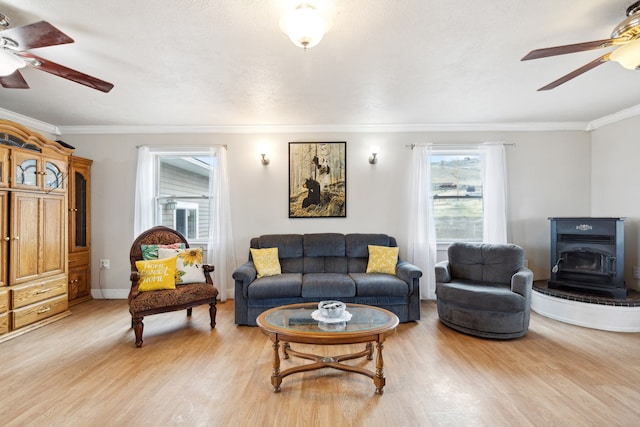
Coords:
383,62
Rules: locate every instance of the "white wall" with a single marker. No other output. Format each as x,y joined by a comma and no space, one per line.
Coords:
549,175
614,176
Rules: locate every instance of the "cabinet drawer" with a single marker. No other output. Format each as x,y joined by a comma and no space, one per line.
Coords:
35,312
4,300
80,258
22,295
4,323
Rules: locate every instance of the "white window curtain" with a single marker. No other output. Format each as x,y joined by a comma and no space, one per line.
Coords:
144,204
494,193
422,236
220,249
422,229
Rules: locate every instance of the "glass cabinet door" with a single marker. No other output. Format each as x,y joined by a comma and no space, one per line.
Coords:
26,171
4,167
80,210
53,175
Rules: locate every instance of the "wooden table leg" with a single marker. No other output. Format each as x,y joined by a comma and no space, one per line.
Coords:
276,378
379,379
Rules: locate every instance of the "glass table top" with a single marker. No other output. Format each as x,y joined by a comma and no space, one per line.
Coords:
298,317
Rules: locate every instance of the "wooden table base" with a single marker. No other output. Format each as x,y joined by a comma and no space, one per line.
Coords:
328,362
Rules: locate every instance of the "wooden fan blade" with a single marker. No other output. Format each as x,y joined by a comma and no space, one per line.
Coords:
591,65
14,81
572,48
40,34
64,72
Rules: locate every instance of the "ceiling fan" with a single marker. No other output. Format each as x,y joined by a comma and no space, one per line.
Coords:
15,42
626,35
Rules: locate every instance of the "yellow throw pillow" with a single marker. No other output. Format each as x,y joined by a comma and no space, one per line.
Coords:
266,261
157,274
382,259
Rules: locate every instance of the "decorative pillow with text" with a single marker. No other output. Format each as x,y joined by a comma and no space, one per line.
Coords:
157,274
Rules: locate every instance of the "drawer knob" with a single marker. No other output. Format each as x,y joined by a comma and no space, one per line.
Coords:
44,309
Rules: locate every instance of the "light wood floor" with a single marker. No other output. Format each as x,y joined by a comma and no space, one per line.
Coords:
84,370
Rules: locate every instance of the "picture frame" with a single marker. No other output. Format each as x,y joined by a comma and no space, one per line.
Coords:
318,179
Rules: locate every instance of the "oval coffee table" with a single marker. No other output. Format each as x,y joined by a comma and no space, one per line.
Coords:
294,324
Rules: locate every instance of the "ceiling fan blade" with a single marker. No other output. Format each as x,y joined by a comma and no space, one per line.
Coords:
64,72
572,48
575,73
14,81
39,34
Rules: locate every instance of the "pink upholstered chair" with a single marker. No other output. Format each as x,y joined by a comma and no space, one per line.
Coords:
182,297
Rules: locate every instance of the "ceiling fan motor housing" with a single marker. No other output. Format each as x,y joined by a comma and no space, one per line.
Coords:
630,27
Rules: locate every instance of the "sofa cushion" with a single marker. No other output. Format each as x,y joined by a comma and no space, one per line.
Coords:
327,285
357,245
280,286
375,284
289,245
485,262
325,264
491,296
324,244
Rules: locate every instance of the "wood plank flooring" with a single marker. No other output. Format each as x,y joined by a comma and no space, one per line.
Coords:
84,370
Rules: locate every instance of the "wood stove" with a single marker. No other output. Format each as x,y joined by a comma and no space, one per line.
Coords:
587,254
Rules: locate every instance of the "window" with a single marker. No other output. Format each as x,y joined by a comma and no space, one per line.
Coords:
182,196
456,180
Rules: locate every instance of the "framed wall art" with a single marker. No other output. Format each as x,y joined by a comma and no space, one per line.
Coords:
317,179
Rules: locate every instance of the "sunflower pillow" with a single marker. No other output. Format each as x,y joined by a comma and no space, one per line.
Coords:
188,264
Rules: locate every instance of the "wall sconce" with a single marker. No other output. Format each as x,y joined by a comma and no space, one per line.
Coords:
373,159
265,160
171,204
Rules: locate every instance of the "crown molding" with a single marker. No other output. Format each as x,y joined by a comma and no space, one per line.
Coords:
356,128
615,117
29,122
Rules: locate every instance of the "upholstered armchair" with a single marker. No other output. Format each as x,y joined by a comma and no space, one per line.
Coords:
167,275
484,290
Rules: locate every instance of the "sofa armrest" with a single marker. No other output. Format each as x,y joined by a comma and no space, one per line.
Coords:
522,282
443,272
407,271
246,273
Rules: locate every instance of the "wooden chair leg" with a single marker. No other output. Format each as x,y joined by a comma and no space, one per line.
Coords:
138,326
212,313
189,311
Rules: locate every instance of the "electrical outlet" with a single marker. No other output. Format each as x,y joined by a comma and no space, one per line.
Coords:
636,272
105,263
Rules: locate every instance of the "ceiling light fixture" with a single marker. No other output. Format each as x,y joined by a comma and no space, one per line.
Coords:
9,62
627,55
304,26
4,21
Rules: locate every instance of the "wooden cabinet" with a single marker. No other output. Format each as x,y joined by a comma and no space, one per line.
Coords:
33,171
79,230
33,230
38,236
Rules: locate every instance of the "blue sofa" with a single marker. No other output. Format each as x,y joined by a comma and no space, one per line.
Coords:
325,266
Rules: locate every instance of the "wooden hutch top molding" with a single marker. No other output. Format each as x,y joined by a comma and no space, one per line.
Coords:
29,136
